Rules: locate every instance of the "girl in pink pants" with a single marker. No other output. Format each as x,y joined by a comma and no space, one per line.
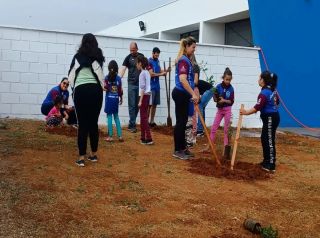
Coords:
224,97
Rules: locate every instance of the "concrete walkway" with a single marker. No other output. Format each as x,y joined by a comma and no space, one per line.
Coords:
302,131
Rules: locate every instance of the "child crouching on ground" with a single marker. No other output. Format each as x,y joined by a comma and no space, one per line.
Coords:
54,117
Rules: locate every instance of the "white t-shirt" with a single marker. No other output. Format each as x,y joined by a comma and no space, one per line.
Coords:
144,82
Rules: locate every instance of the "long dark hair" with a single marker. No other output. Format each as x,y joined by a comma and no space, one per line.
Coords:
89,47
113,70
270,79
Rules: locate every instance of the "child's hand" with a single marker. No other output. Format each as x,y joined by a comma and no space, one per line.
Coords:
139,104
243,112
221,100
120,101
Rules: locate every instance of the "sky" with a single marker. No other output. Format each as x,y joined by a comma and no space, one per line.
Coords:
72,15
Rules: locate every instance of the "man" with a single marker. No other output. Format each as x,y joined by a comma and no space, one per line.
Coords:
133,84
155,71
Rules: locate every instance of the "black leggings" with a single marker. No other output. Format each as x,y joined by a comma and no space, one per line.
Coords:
88,101
270,124
182,100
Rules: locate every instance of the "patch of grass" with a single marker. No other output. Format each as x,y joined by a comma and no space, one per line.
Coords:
131,185
81,189
131,205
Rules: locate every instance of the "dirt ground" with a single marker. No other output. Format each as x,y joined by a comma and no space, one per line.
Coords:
141,191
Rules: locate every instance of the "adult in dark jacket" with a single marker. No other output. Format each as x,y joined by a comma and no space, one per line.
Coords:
60,90
86,79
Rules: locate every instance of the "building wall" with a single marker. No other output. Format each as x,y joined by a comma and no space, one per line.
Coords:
34,61
171,16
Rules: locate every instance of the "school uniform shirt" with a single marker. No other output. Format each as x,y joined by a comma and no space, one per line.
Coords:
144,82
268,101
154,64
133,73
227,93
114,91
184,66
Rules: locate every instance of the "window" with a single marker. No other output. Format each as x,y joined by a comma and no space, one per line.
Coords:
239,33
194,34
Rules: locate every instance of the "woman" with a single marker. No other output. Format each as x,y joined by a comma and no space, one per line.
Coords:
183,94
60,90
86,79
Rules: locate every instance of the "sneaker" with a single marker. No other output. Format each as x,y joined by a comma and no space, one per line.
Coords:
189,145
108,139
200,134
188,153
149,141
133,130
180,155
80,163
93,158
143,142
268,167
75,126
121,139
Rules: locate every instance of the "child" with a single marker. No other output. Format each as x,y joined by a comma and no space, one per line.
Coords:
144,93
189,134
224,98
54,117
112,85
268,106
191,127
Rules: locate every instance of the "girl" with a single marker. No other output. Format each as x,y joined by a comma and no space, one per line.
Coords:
112,85
144,93
86,79
54,117
224,97
182,94
268,106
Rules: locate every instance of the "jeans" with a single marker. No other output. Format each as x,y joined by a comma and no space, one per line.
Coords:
133,100
182,100
205,98
117,121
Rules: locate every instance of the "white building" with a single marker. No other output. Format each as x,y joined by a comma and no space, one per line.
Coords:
209,21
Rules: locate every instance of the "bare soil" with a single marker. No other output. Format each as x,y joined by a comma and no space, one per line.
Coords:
141,191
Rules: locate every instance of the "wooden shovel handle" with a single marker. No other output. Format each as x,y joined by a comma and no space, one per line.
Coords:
235,145
207,134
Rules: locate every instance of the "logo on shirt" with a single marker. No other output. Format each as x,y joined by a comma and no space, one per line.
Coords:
227,94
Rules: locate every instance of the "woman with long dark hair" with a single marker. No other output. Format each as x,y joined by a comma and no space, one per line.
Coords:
86,79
